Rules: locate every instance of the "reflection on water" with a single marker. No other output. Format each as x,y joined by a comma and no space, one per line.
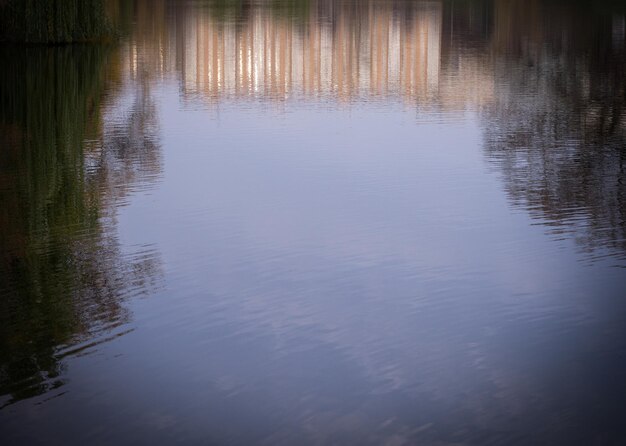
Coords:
552,99
357,222
557,128
339,50
343,49
65,166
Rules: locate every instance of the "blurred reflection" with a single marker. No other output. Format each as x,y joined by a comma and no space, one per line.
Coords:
65,166
340,49
551,98
557,127
277,50
79,134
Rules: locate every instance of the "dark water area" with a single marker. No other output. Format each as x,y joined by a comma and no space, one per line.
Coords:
317,222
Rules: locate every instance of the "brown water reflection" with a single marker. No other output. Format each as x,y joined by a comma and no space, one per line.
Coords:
338,51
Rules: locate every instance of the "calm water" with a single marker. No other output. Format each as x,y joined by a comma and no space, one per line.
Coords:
317,222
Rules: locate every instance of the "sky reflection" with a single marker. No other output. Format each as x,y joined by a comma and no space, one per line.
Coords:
354,222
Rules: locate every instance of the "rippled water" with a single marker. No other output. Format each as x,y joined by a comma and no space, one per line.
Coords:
317,222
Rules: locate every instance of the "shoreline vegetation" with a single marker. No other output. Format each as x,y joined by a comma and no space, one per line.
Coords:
56,21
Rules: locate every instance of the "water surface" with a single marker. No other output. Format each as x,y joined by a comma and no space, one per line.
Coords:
321,222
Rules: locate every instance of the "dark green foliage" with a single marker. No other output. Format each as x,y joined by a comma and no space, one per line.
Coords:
53,21
293,9
47,97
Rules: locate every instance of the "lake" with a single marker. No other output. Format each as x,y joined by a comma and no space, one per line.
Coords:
317,222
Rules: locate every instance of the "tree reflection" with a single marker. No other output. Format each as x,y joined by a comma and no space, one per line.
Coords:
552,98
557,130
62,173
